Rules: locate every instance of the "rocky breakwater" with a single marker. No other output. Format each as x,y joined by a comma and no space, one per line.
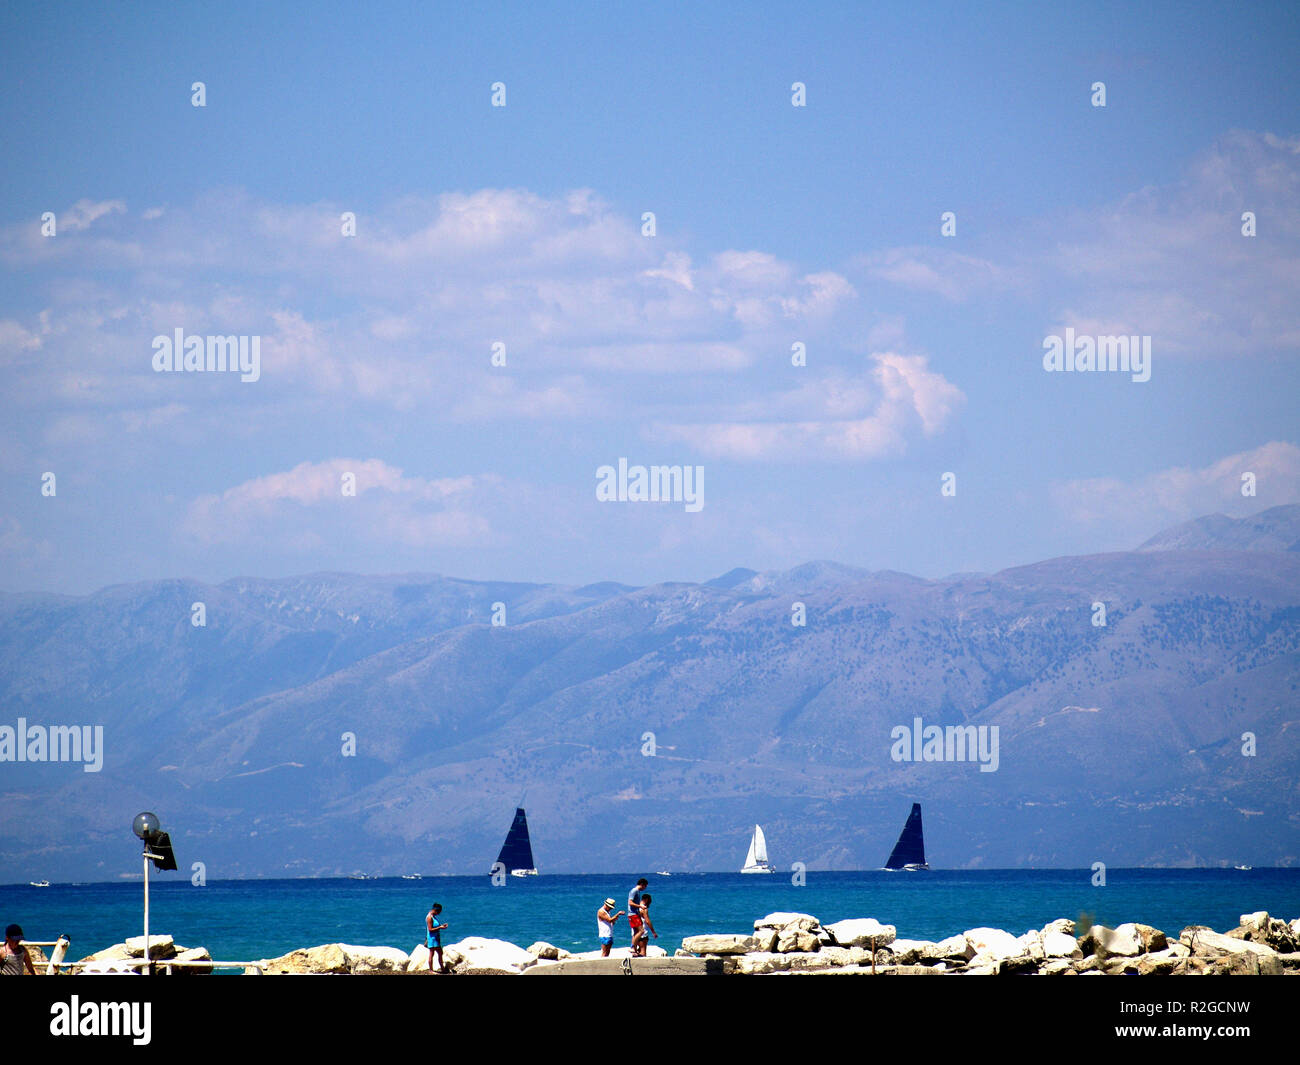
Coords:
162,949
799,943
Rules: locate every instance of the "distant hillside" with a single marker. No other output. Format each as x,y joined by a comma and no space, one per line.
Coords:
1119,742
1277,529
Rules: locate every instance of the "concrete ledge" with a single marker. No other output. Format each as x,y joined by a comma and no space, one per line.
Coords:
639,966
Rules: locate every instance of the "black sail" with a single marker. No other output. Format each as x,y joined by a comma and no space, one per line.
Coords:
517,850
910,848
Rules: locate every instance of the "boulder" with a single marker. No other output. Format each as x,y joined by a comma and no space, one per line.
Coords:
765,939
548,952
913,970
720,944
1123,942
193,954
366,960
494,955
1251,965
1055,966
1058,943
841,956
781,920
953,947
117,952
761,963
1157,963
862,932
1021,963
910,951
1153,939
1261,928
160,946
328,958
1031,946
806,963
1062,924
991,945
793,939
419,960
1207,943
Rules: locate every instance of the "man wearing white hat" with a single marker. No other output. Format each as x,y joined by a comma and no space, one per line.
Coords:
605,918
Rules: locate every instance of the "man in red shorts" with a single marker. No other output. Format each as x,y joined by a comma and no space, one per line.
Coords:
634,911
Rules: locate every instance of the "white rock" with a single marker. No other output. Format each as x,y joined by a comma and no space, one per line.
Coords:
806,921
194,954
548,952
993,943
794,940
1058,943
760,963
1207,943
719,944
1257,921
480,953
807,963
1031,946
908,951
952,947
160,946
363,960
1061,924
860,932
852,955
1122,942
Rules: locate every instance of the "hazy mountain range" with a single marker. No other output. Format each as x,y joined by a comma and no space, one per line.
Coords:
1119,743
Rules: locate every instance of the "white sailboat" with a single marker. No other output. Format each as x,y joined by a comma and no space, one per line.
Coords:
756,860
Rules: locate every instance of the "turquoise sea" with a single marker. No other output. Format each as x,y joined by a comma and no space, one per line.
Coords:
249,919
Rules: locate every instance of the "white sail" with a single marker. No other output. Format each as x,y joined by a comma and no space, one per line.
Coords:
756,859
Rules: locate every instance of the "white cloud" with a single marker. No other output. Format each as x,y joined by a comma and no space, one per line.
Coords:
1140,507
309,500
1168,261
842,418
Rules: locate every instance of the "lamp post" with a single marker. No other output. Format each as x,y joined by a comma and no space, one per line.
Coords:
149,829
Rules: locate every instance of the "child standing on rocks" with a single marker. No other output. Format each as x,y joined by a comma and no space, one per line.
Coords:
433,936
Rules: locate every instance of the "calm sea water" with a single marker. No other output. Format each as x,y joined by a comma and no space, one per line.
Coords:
248,919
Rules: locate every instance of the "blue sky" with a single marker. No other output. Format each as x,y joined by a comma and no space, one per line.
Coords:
522,224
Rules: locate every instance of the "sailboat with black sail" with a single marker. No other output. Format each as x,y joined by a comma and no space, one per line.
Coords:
909,852
517,851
